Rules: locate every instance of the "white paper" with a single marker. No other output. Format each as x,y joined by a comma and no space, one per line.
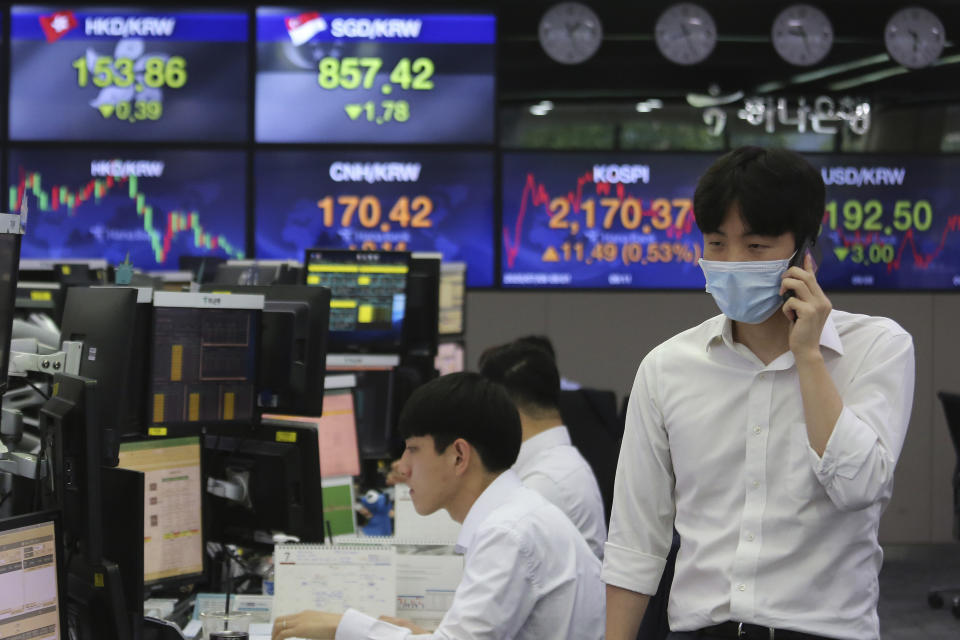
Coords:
334,578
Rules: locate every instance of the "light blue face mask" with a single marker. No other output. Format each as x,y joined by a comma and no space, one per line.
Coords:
745,291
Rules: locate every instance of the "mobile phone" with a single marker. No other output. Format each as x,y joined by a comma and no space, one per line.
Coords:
797,261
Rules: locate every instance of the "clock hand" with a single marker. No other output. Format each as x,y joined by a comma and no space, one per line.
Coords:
916,39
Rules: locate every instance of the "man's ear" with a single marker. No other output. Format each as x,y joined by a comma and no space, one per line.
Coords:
463,455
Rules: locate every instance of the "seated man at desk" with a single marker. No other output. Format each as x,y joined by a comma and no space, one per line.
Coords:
548,462
528,573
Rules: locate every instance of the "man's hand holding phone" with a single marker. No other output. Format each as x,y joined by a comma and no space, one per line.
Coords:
805,303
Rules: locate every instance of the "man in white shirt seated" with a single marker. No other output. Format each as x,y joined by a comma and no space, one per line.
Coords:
548,463
528,573
768,435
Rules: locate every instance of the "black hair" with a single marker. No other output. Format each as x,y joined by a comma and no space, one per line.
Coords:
465,405
539,341
526,371
776,190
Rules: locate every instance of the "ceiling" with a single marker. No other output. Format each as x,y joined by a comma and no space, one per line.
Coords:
629,66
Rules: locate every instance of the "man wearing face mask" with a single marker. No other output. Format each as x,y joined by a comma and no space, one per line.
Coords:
768,435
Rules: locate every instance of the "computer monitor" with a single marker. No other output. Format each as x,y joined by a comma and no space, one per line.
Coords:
72,446
423,305
173,550
75,459
32,578
293,345
263,481
9,261
203,358
40,297
336,431
368,303
258,272
450,358
123,520
453,294
107,321
204,268
375,413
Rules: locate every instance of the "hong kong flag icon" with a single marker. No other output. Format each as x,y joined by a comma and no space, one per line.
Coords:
58,24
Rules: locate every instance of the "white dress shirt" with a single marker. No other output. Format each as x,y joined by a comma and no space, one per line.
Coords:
528,574
554,468
771,533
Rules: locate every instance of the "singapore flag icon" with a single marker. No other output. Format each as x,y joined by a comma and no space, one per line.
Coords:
304,26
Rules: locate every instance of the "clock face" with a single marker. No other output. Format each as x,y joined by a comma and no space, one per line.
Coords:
685,33
802,35
914,37
570,32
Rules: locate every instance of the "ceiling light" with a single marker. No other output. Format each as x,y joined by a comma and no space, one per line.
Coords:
541,109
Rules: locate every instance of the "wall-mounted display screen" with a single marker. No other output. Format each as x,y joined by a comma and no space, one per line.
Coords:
616,221
891,222
80,73
374,77
154,205
375,200
601,220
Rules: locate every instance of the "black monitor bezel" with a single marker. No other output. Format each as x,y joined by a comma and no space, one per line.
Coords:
267,433
79,403
9,309
116,344
319,325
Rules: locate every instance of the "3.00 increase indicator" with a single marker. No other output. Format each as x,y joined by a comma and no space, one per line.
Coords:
406,212
122,72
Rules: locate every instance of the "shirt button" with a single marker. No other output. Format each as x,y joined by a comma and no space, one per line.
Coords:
741,587
750,537
755,483
757,430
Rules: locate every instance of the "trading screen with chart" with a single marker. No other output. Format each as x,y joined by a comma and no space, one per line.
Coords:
29,606
368,291
151,204
603,220
173,495
204,364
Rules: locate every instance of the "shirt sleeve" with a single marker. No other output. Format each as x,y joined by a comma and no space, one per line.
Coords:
498,590
641,522
494,599
359,626
856,469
